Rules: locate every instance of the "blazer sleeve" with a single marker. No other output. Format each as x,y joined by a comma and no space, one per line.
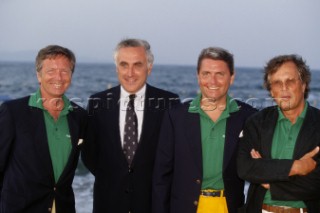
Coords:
6,139
305,187
89,150
274,171
163,168
263,170
298,187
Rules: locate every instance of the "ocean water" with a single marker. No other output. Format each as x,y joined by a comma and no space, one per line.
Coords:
19,79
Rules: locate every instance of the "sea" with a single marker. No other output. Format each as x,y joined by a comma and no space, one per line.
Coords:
18,79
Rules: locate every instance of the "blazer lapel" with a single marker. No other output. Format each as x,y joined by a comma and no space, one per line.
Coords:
267,130
193,137
231,137
74,133
306,133
38,127
112,116
150,115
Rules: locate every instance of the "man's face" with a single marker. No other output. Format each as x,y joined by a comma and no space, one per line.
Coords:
287,88
54,77
214,80
132,68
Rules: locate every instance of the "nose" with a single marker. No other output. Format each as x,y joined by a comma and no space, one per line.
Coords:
58,75
284,86
212,79
130,71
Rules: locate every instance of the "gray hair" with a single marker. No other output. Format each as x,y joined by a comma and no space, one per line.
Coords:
134,43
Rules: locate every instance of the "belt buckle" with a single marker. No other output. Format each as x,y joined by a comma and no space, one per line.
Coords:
212,193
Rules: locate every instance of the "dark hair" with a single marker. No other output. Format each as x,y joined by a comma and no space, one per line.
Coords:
216,53
132,42
53,51
275,63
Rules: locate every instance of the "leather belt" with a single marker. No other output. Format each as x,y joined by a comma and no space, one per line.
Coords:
212,193
283,209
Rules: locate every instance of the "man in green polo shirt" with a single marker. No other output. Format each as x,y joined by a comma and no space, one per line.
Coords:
195,168
279,150
40,138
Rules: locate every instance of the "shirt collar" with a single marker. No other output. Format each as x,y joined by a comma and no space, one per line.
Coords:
35,100
194,107
139,95
301,116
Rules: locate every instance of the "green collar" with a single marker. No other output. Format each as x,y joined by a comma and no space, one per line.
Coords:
194,107
35,100
302,115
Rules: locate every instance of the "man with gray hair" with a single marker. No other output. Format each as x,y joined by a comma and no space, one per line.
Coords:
123,131
195,168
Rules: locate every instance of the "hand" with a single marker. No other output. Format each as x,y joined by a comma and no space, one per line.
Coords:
304,165
256,155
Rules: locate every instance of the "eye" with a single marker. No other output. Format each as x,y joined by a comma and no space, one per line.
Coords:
220,74
291,82
277,84
65,72
204,74
50,71
138,65
123,65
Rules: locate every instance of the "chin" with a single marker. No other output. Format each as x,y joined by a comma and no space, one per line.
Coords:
285,106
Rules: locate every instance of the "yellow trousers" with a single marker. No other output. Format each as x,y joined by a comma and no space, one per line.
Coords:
209,204
53,207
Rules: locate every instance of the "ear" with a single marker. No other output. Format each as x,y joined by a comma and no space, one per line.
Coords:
198,77
232,78
150,69
304,87
39,76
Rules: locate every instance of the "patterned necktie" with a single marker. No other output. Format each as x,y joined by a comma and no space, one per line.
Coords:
130,141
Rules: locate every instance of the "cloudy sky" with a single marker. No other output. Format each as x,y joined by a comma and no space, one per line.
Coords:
253,30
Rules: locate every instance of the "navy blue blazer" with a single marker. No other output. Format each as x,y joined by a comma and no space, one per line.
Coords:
27,182
258,134
178,167
118,189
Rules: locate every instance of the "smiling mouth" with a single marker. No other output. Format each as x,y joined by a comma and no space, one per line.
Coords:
57,86
213,88
131,81
285,97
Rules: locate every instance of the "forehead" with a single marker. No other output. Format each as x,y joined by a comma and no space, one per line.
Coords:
286,70
208,64
57,59
131,53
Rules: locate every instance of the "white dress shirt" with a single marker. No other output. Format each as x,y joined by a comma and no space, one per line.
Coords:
138,108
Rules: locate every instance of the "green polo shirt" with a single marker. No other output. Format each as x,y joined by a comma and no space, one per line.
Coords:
212,140
283,144
58,134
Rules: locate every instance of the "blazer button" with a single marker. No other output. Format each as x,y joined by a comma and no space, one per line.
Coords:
198,181
49,209
195,202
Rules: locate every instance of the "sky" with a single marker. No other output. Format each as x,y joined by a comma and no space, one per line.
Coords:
253,30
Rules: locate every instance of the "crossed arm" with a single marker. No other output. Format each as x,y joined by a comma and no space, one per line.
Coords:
303,166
